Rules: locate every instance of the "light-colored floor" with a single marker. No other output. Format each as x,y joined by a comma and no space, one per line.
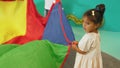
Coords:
108,61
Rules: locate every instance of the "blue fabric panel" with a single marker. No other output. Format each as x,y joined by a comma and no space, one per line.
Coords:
53,31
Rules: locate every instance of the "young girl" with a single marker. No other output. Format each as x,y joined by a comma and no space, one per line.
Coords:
88,49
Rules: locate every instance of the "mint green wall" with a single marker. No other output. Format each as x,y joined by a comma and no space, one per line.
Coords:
112,13
40,6
78,7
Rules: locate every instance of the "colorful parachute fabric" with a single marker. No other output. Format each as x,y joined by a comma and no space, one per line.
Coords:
58,30
35,54
20,22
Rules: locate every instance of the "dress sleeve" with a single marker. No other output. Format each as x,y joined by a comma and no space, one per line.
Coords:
86,43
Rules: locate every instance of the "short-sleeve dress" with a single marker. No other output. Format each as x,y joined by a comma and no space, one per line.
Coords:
89,43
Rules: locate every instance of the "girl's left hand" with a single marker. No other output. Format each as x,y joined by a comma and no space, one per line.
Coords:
75,43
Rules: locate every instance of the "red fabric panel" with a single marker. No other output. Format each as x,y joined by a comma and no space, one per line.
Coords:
35,26
57,1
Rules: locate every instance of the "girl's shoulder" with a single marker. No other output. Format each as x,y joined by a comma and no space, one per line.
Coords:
92,35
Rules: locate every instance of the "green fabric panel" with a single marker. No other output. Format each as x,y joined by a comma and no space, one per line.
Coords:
36,54
6,48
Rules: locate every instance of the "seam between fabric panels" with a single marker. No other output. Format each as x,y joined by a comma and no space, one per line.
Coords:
65,58
61,23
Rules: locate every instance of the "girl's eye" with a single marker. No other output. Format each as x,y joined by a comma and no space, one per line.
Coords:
87,23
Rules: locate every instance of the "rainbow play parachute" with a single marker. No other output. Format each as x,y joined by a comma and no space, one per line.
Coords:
45,40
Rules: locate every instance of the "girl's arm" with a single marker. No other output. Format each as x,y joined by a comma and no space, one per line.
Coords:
74,47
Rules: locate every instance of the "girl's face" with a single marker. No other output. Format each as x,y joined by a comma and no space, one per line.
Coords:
89,26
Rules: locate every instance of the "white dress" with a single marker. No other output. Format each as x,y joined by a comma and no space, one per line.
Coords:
90,43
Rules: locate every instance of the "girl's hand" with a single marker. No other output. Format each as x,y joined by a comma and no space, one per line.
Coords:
75,43
74,47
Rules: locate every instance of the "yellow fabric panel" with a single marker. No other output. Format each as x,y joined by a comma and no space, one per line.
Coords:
12,19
